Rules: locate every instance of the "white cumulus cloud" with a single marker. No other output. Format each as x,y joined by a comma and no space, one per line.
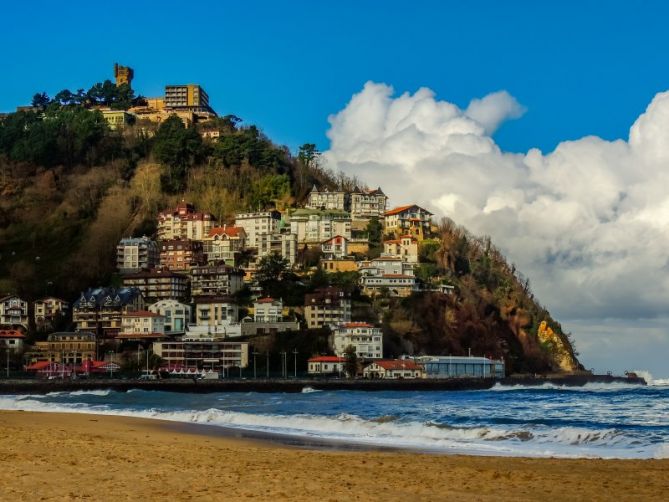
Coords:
588,222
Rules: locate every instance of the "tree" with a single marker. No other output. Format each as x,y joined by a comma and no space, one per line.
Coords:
271,269
41,100
375,237
177,148
350,361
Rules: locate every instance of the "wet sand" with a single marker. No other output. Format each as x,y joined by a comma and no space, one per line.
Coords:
49,456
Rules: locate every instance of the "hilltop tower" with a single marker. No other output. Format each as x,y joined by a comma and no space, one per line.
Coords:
123,75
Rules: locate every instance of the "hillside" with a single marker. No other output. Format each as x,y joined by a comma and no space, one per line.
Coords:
70,188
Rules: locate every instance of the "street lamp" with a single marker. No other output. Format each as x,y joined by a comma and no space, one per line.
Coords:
295,362
254,364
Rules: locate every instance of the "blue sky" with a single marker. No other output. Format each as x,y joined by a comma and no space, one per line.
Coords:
578,67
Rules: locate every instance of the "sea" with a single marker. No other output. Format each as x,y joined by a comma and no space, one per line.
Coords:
594,421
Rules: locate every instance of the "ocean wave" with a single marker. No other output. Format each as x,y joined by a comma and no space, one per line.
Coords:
651,381
309,390
588,387
389,431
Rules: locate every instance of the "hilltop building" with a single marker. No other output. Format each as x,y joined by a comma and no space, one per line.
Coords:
368,204
135,254
408,220
123,75
406,248
312,226
224,244
184,223
190,97
326,200
254,224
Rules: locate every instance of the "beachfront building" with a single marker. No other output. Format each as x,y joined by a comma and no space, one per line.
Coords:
366,339
268,318
254,224
394,369
100,310
215,316
282,244
49,310
158,284
325,200
177,315
224,244
184,222
13,311
462,367
65,347
202,351
326,365
213,280
11,340
181,255
368,204
411,219
312,227
405,247
327,306
133,255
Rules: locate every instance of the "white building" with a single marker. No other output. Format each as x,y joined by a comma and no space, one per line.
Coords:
368,204
136,254
203,350
312,227
283,244
397,285
268,310
13,311
265,222
462,367
366,339
215,280
177,315
326,365
142,323
224,244
215,316
335,248
337,200
406,248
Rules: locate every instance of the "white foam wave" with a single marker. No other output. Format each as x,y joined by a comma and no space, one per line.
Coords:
588,387
537,441
653,382
309,390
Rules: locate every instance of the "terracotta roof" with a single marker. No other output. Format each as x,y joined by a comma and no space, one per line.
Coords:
266,300
11,333
358,325
326,359
398,364
401,209
141,313
40,365
393,241
137,336
229,231
336,237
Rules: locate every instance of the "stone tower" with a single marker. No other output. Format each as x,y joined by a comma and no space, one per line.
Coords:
123,75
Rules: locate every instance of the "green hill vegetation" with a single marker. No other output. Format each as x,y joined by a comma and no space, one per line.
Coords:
70,188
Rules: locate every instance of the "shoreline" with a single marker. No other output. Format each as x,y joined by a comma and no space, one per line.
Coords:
71,456
41,386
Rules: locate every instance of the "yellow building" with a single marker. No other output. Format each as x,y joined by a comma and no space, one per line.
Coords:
65,347
123,75
118,119
339,265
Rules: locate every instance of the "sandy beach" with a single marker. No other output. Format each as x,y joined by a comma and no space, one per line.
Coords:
48,456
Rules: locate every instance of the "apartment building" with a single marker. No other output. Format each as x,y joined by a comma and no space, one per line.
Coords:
366,339
327,306
177,315
326,200
368,204
283,244
100,310
13,311
158,284
65,347
184,222
135,254
48,310
212,280
312,227
181,255
203,351
142,324
224,244
254,224
411,220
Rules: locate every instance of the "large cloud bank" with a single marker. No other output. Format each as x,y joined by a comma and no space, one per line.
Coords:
588,223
